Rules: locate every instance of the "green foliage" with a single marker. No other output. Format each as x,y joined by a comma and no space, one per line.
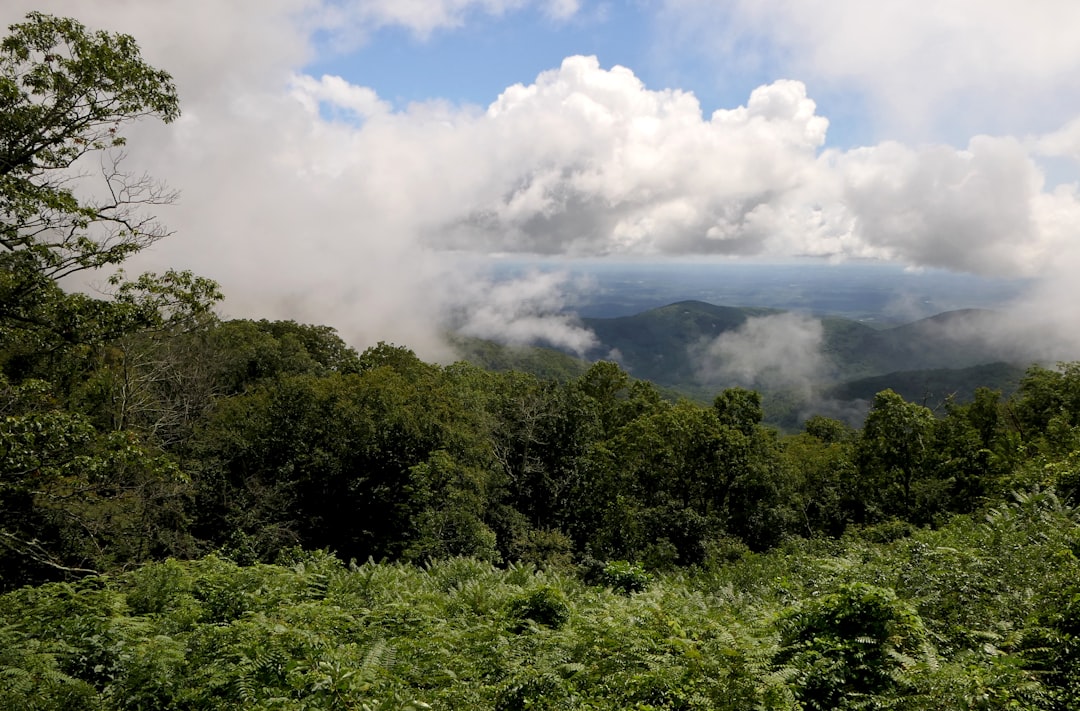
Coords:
545,605
976,614
455,500
849,645
823,480
544,363
31,678
1048,408
66,92
77,499
79,489
894,455
623,576
828,430
739,409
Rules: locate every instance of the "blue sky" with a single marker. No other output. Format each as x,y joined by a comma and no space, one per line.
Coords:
720,51
473,63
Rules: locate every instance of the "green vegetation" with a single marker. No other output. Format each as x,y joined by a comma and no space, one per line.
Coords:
978,614
179,495
934,386
546,363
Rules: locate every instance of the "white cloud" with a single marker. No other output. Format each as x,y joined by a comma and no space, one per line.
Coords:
600,164
920,65
524,310
562,9
309,198
968,210
779,351
1064,142
350,22
359,101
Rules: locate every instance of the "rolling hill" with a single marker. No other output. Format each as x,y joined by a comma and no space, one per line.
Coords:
949,354
657,344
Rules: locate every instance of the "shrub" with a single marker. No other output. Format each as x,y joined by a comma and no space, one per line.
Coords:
849,645
545,605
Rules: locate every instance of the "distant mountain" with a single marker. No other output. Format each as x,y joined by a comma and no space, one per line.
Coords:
935,386
927,360
659,344
656,344
955,339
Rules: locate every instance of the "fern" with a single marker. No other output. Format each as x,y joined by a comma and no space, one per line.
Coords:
767,632
30,677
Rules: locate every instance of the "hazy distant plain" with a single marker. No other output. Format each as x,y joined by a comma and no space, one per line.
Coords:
883,294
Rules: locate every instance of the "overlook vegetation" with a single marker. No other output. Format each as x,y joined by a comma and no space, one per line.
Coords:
203,514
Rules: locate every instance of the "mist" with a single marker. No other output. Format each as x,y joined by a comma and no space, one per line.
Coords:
781,351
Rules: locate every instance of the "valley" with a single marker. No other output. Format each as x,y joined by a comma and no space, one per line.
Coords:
803,365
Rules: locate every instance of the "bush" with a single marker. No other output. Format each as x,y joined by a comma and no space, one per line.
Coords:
849,645
621,576
545,605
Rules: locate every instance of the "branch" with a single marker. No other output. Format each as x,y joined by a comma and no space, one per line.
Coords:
36,552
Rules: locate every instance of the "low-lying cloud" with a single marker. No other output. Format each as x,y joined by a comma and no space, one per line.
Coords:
776,352
527,309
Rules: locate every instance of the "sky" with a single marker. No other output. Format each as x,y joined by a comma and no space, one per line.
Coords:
356,162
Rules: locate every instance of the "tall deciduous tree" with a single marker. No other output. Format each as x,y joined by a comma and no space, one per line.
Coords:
1048,408
894,452
66,92
73,497
66,203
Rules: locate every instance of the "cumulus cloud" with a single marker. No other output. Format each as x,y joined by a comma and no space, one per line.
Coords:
918,66
311,198
1063,142
781,351
603,165
970,210
356,102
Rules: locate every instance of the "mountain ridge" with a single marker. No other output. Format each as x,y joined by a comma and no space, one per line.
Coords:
946,354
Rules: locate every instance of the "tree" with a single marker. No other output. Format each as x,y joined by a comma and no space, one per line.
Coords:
740,409
74,493
894,451
604,386
1047,411
65,95
821,471
828,430
74,499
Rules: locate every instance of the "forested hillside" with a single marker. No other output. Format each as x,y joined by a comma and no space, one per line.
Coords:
837,369
949,354
206,513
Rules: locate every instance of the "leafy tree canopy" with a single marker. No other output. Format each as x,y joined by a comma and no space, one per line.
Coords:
66,94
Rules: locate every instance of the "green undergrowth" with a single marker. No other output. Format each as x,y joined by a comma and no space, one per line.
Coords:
981,613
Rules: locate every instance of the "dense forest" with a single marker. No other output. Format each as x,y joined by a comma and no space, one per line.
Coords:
199,513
